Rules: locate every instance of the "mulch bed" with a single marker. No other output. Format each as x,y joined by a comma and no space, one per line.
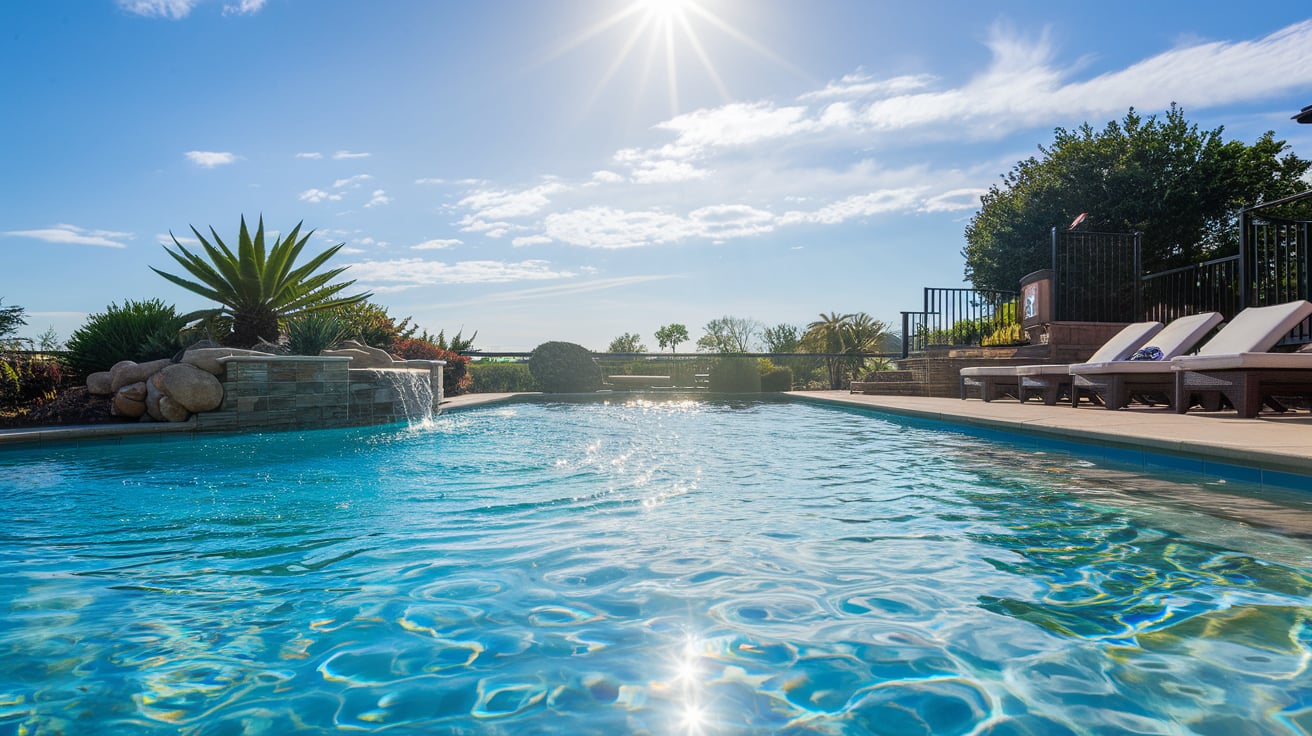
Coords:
71,406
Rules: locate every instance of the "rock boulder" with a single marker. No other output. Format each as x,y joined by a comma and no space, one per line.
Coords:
207,359
125,372
126,407
172,410
99,384
189,387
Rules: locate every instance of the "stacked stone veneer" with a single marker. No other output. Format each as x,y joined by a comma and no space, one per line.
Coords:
294,392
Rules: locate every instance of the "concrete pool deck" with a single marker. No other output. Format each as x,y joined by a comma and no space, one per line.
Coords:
1273,442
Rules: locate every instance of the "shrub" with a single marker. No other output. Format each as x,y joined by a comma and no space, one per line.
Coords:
736,375
27,380
564,367
777,379
455,377
137,331
313,332
497,378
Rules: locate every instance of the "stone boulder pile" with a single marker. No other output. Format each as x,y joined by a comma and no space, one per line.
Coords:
166,390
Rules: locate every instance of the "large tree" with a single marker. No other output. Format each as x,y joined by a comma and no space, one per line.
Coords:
839,335
1179,186
260,286
669,336
729,335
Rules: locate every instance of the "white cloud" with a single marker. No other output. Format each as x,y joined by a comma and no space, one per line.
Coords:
667,172
312,154
735,124
351,181
210,159
243,7
408,273
955,200
607,177
548,292
859,84
530,240
167,239
437,244
430,181
74,235
604,227
378,199
858,205
730,221
315,196
501,204
349,154
173,9
352,251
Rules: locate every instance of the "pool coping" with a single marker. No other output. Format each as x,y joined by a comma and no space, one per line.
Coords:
165,431
1270,450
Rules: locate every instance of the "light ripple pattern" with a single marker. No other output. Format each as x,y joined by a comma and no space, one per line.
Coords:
628,566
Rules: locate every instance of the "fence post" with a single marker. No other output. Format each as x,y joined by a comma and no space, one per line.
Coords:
1245,291
1057,312
1138,276
906,337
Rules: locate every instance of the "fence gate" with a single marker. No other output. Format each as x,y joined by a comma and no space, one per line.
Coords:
1096,276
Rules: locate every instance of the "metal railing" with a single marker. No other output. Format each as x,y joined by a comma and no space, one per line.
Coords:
1097,276
1210,286
1274,258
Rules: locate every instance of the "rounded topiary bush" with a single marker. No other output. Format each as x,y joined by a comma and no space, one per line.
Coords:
736,376
564,368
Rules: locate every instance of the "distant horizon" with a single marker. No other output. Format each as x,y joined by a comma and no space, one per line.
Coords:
583,169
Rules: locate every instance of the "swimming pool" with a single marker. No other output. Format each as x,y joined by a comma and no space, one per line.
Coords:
637,566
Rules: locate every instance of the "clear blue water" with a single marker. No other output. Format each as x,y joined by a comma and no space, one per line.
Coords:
634,567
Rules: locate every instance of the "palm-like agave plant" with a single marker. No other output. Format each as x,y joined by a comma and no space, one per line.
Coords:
259,286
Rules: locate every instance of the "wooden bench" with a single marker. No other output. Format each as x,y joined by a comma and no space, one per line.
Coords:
640,381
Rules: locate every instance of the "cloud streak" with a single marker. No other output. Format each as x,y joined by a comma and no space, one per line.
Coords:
210,159
74,235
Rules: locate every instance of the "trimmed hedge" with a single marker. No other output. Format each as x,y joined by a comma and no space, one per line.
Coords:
564,368
736,376
501,378
777,379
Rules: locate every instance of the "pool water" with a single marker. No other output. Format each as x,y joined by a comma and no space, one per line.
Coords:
676,566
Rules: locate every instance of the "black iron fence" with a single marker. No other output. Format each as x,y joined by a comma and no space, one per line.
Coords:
1210,286
957,317
1273,257
1096,276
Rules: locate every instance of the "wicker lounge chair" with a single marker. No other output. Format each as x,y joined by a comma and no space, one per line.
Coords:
995,382
1255,330
1245,374
1051,382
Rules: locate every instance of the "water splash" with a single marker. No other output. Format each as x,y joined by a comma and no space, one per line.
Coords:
414,395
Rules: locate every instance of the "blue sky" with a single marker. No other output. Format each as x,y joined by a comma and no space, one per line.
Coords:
577,169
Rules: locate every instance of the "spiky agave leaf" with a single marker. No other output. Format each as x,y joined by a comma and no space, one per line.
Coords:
260,284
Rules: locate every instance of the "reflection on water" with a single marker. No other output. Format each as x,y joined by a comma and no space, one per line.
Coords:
628,567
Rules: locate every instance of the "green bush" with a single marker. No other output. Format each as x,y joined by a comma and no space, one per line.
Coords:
29,380
564,367
455,376
777,379
501,378
736,375
138,331
312,333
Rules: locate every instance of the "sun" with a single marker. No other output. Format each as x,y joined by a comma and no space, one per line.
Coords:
671,31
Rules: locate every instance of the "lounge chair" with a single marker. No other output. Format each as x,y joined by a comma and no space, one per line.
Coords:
995,382
1173,340
1256,329
1240,370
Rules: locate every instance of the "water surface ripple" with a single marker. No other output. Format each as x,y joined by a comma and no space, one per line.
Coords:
658,567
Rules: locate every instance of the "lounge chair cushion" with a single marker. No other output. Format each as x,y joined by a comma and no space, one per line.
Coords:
1244,361
1183,333
1058,369
990,371
1123,344
1257,329
1137,367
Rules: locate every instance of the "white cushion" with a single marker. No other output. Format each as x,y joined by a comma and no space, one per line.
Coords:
1182,334
1242,361
1124,343
1122,366
1257,329
1002,371
1061,369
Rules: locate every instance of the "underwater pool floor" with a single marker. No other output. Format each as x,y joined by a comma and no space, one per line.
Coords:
644,566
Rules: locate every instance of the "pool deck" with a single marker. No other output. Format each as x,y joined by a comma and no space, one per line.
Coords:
1280,443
